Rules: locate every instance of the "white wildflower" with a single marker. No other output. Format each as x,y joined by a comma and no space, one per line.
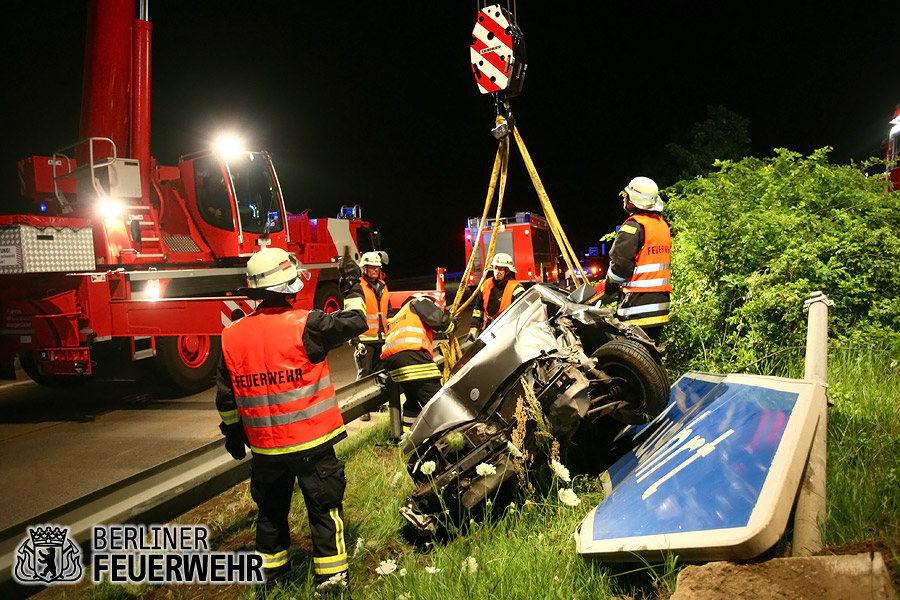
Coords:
336,582
559,470
568,497
512,507
485,469
395,481
386,567
432,570
488,502
360,543
402,572
428,467
513,451
469,565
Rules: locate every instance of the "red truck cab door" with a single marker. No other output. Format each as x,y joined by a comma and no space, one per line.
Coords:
235,201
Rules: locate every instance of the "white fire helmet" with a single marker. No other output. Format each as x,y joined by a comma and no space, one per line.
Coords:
370,259
274,270
644,193
502,259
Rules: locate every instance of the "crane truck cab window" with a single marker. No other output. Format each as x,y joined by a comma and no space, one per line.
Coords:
212,193
255,193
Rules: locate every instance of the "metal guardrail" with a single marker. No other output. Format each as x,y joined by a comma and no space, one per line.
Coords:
161,493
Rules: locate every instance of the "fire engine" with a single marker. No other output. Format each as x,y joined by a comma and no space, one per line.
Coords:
125,258
526,237
893,150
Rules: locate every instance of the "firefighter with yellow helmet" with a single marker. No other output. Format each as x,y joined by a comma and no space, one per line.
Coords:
639,269
274,394
497,293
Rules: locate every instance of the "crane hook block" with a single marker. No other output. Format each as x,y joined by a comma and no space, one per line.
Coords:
498,52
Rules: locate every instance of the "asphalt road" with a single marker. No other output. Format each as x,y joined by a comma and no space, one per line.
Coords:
60,444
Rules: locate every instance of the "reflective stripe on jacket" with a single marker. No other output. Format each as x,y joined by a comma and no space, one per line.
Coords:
407,332
286,402
376,312
505,299
651,271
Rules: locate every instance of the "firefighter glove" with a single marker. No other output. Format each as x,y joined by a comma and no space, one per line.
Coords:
473,334
346,284
235,440
348,268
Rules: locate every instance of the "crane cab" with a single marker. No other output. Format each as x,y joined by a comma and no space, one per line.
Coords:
235,201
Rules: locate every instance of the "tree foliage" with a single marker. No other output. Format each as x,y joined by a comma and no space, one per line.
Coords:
753,238
722,135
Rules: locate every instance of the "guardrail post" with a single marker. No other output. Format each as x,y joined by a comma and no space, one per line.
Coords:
392,391
810,510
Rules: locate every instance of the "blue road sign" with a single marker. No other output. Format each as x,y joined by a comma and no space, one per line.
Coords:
712,477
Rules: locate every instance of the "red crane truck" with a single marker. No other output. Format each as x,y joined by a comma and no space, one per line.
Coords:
125,258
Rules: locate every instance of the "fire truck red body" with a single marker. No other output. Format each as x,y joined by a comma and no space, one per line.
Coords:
893,150
526,237
128,259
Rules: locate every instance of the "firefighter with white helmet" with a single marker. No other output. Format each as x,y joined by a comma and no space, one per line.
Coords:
274,394
408,352
372,299
497,293
639,272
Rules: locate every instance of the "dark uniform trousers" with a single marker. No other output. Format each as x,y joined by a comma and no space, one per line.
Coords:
368,358
418,392
322,482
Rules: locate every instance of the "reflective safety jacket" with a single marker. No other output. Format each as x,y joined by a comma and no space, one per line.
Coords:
651,270
482,314
285,402
407,332
377,311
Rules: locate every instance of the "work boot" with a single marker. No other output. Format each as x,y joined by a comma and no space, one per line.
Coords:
276,575
365,417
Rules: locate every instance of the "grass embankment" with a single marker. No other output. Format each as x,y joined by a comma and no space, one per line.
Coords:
527,551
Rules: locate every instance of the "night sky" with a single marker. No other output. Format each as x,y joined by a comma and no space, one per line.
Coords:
374,103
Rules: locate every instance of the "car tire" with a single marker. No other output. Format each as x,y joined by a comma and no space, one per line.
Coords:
645,382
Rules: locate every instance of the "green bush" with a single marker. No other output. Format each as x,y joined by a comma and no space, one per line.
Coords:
753,239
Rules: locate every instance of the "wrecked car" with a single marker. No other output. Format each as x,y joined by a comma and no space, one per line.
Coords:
537,383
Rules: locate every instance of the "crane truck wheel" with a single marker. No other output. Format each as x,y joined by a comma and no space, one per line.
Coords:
641,380
328,297
188,361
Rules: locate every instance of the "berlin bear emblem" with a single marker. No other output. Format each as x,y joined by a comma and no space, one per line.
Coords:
47,556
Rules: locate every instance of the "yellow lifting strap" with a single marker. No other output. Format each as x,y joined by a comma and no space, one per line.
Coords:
450,348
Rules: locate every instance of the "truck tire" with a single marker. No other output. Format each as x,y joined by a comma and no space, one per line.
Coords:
328,297
644,382
188,361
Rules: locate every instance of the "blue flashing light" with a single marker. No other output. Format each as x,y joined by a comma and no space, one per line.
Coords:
43,207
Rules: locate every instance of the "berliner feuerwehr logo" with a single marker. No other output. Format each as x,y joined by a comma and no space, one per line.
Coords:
47,556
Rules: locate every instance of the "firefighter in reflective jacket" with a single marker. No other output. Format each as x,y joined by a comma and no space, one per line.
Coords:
497,294
639,260
371,298
275,395
408,352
